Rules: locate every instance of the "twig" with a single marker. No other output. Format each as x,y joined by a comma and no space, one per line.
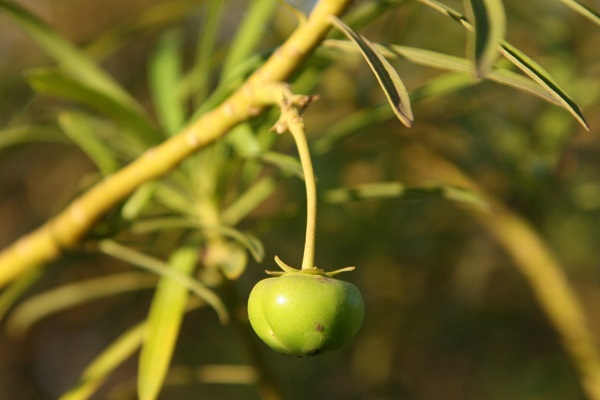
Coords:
67,229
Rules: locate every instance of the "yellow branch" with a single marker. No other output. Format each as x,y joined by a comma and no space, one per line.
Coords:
66,229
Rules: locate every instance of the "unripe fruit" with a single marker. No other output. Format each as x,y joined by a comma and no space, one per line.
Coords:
303,314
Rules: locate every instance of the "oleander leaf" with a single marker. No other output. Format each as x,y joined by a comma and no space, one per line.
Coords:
524,63
489,23
163,324
387,76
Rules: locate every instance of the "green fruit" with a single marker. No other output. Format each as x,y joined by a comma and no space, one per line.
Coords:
303,314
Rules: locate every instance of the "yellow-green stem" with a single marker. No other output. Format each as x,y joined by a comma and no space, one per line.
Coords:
67,229
296,127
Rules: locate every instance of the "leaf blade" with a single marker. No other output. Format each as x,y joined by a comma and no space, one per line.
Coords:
489,23
388,78
164,321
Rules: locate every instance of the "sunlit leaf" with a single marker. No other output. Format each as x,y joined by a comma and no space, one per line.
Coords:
543,78
523,62
163,324
490,26
386,75
452,63
162,269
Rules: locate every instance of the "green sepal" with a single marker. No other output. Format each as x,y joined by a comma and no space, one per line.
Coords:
312,271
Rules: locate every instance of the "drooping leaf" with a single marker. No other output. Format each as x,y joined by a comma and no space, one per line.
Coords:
81,129
452,63
523,62
490,26
544,79
164,321
165,76
386,75
162,269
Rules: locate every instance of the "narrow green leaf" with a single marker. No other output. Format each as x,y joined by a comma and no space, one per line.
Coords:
57,83
162,269
70,295
165,76
489,21
247,37
587,12
452,63
386,75
250,242
71,59
17,135
164,321
80,128
543,78
383,190
524,63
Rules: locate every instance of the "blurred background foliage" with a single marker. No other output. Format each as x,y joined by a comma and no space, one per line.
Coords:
448,316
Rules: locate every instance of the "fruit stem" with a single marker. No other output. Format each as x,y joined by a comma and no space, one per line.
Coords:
295,125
